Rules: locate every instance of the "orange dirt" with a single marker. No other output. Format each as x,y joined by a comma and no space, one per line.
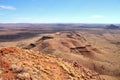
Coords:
19,64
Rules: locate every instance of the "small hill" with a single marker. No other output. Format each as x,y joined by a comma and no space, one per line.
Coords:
20,64
112,27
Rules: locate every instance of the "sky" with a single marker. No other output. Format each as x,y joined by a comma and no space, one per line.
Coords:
59,11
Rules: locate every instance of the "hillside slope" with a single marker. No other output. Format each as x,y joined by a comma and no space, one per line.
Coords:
73,46
20,64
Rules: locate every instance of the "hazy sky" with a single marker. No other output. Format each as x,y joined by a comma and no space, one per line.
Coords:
60,11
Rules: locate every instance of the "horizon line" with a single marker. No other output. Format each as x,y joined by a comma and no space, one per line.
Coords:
52,23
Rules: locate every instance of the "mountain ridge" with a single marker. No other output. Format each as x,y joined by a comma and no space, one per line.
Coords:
20,64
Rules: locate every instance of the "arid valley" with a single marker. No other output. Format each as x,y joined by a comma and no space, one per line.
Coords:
59,52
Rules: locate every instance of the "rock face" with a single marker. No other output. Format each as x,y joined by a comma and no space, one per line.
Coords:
20,64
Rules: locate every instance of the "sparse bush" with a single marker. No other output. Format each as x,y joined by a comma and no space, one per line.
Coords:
24,76
15,68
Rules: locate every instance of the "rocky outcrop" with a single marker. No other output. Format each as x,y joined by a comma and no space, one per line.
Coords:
20,64
69,42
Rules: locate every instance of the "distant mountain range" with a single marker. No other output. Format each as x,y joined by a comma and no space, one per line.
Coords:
76,25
